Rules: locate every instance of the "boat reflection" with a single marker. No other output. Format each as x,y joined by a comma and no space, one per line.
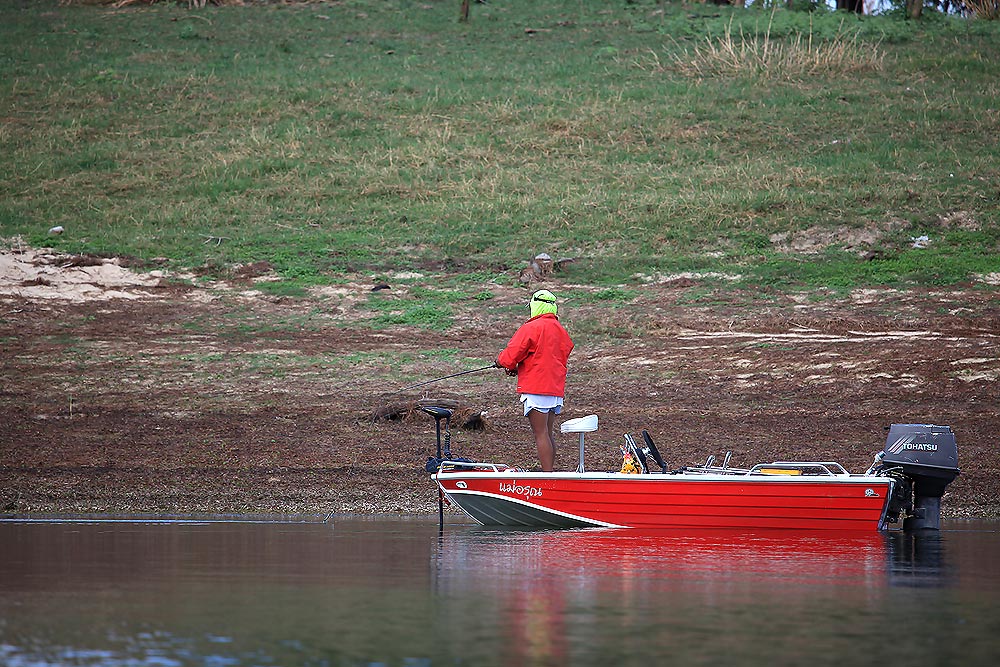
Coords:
611,558
552,590
917,559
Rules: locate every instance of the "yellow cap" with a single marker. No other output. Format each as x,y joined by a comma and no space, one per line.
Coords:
542,302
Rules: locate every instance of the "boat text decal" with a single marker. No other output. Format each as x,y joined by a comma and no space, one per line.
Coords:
871,493
906,443
518,490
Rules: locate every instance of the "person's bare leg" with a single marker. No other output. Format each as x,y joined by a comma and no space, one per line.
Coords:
552,435
541,427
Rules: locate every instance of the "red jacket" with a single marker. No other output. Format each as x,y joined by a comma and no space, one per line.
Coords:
539,350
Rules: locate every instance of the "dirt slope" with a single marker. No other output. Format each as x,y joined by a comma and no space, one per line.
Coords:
127,392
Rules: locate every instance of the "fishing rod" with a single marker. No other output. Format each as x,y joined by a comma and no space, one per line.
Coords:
453,375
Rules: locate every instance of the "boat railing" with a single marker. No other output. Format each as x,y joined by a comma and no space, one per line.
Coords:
811,468
830,468
455,466
709,467
714,470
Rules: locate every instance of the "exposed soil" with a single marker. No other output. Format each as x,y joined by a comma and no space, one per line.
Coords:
133,393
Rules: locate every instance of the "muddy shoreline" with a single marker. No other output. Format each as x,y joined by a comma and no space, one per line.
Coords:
161,398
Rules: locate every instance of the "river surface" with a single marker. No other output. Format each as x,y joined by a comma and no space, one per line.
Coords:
392,591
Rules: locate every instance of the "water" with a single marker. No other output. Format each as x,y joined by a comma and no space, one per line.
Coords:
391,591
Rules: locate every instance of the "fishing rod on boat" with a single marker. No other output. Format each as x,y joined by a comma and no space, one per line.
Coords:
446,377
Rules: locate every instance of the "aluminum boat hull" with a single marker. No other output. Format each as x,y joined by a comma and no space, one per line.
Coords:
615,500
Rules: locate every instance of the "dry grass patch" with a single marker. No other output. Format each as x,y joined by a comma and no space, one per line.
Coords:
763,56
982,9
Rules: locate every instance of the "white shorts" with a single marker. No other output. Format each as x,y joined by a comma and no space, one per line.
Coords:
541,403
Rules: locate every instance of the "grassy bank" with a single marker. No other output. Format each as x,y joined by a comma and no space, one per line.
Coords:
791,150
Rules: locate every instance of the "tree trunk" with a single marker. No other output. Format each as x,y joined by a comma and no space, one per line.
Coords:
914,8
464,16
856,6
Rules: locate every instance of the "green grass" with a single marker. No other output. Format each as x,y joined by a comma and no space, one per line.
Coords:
421,307
383,136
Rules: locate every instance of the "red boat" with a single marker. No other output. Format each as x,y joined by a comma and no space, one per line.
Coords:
907,479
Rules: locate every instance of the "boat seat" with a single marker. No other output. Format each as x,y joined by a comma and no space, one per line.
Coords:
579,425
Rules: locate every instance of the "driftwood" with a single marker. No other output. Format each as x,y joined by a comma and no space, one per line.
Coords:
464,417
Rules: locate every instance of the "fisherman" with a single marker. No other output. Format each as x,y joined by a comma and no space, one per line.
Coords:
537,354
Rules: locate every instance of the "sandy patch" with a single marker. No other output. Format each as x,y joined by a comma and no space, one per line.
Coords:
972,376
815,240
806,336
661,279
989,278
44,274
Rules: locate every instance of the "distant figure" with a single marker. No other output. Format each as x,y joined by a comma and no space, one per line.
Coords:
537,354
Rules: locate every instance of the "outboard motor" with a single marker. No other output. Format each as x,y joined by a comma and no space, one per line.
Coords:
928,457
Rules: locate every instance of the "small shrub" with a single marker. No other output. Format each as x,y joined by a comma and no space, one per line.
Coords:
765,56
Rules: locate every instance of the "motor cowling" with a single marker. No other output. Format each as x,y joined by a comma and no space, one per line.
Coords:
927,454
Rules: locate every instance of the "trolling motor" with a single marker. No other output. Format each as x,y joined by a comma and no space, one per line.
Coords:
924,458
434,464
439,413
